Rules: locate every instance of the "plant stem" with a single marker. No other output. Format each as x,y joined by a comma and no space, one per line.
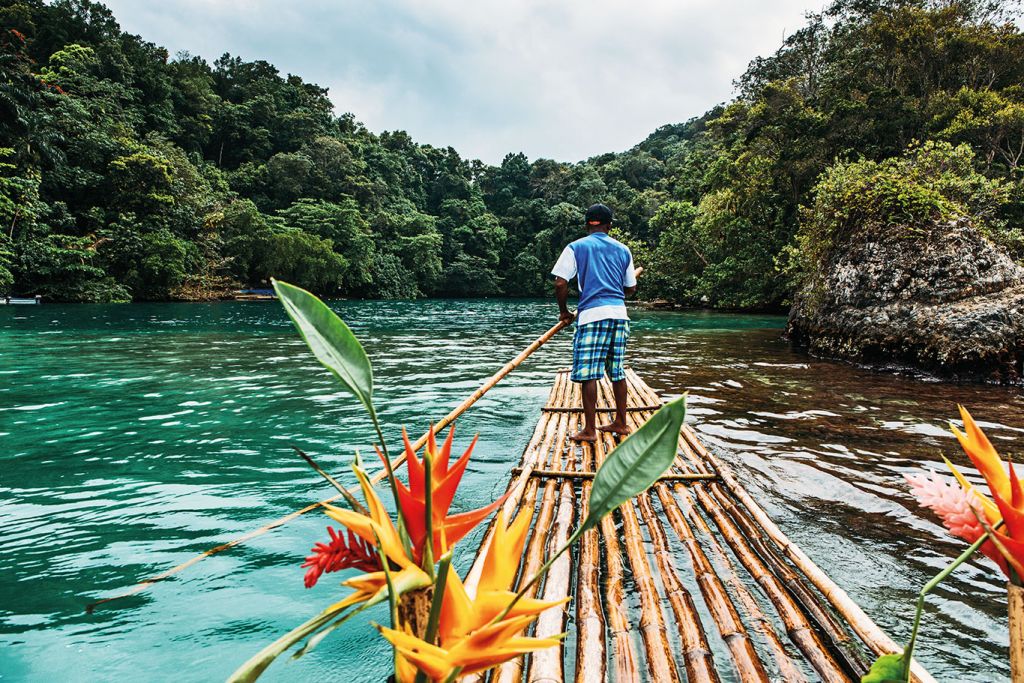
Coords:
428,512
403,534
435,607
349,498
453,675
908,651
392,599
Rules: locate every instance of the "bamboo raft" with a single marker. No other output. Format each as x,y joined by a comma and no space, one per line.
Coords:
690,581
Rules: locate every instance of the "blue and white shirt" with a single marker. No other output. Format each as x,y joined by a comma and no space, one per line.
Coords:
604,266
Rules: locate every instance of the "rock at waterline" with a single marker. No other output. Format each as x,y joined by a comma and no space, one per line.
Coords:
942,299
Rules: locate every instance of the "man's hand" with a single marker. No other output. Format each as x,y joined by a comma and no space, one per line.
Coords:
566,316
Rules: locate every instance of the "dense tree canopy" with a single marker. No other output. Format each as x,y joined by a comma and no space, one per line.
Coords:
128,174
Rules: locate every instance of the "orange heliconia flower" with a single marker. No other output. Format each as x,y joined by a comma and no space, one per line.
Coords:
378,531
444,480
1005,489
468,641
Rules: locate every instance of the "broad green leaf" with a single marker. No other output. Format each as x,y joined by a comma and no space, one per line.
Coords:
886,669
636,463
330,340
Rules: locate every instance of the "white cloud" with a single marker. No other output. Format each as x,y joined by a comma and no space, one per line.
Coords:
562,79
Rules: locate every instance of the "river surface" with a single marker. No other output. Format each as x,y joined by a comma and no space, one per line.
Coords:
133,437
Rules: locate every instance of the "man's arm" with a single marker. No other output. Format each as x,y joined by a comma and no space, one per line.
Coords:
629,281
564,270
562,296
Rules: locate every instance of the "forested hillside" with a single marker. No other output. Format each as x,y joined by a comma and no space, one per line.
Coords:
128,174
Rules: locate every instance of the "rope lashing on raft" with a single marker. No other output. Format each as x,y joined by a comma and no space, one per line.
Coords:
504,371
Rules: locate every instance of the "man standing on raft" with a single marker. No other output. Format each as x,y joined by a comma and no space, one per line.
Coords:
606,276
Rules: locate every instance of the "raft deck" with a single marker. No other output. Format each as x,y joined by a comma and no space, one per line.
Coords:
690,581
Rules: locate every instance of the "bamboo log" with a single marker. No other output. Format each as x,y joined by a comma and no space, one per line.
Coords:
727,620
547,664
865,628
786,666
590,623
624,660
551,433
841,644
700,665
652,624
862,625
571,474
1015,608
797,626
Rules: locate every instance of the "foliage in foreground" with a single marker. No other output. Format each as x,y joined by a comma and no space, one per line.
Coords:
995,526
437,628
128,174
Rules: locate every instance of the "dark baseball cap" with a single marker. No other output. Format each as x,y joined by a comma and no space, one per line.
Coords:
598,214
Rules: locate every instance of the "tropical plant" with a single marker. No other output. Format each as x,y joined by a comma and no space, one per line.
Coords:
995,526
438,631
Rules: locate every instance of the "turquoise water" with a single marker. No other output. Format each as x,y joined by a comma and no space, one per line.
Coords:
133,437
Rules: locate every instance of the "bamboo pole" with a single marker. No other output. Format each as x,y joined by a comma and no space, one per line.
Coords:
547,664
513,669
862,625
568,474
652,625
797,626
550,430
396,462
697,657
787,668
640,392
624,660
865,628
723,612
765,555
590,622
1015,609
812,648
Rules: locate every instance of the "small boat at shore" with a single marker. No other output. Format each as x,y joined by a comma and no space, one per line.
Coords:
21,300
254,295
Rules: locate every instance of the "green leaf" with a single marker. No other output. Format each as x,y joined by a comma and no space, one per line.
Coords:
636,463
886,669
252,669
330,340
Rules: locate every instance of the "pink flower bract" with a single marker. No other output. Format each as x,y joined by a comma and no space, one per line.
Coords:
958,509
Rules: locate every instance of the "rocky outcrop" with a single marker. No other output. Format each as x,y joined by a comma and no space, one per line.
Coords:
944,300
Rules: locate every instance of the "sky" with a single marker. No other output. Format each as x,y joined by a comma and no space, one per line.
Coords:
560,79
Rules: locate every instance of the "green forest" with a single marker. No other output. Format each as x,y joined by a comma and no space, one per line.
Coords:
130,174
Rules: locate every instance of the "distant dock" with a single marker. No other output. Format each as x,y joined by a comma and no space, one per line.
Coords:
21,300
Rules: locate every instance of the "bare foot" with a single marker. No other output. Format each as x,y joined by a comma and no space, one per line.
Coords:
616,428
584,436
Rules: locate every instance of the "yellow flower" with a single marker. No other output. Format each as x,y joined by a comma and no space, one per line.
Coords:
468,641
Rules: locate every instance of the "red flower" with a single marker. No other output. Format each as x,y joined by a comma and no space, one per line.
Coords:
339,554
448,529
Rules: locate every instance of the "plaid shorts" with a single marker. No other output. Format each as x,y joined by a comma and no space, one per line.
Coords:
598,347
